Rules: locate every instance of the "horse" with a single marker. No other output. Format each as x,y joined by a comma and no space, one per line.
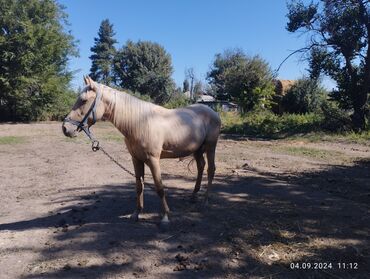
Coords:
151,132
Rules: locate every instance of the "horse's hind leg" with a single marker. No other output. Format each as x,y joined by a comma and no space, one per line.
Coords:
210,151
198,156
139,174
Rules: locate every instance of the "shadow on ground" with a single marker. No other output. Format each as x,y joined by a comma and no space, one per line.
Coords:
256,226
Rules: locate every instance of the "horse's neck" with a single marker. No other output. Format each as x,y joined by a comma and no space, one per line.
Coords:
127,113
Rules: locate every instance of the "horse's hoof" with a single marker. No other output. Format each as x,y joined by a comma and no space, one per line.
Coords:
165,223
164,226
134,217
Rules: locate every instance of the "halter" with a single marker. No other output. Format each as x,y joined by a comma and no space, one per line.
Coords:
83,126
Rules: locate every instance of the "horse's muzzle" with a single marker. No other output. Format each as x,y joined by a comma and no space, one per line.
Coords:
69,130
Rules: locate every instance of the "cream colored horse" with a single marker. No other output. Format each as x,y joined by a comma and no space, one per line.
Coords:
151,132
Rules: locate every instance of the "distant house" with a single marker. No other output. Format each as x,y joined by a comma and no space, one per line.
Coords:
210,101
205,98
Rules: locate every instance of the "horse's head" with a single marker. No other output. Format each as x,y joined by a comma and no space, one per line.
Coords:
86,111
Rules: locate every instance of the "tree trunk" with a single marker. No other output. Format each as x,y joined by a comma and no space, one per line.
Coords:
361,98
360,110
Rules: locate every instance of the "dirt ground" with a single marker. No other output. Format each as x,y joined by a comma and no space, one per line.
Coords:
278,209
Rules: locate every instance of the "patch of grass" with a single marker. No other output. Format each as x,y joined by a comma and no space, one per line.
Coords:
309,152
12,140
348,137
113,137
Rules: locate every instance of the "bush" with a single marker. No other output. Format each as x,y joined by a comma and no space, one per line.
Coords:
243,79
305,96
177,100
268,124
335,119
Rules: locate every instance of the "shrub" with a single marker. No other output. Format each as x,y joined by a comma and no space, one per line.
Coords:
177,100
335,119
305,96
268,124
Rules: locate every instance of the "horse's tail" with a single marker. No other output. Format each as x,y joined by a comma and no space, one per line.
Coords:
191,162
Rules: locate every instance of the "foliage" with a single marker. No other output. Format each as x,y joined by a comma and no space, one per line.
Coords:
138,95
306,95
243,79
177,100
104,51
269,125
145,67
338,45
335,118
34,51
266,124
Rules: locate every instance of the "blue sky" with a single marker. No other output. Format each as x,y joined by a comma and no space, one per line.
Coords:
191,31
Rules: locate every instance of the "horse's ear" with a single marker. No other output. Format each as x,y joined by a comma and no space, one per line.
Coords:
91,83
86,80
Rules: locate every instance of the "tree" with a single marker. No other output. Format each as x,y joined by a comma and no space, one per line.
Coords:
190,74
185,86
198,88
306,95
34,52
338,46
243,79
145,67
104,51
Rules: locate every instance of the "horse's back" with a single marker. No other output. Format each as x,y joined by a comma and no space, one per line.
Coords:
203,110
211,119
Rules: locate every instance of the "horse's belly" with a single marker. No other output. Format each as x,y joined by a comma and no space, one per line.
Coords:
175,154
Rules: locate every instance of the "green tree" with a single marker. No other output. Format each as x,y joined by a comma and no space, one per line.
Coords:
306,95
34,51
243,79
338,46
103,54
145,67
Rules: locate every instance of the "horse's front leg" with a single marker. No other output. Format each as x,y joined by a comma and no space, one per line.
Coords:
139,174
154,166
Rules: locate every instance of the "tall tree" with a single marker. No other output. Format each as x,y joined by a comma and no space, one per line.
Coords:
103,53
185,86
190,74
338,46
145,67
198,88
243,79
34,52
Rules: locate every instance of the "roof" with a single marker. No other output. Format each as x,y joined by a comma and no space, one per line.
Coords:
283,85
205,98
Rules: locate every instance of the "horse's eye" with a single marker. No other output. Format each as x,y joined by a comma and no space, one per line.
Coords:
82,102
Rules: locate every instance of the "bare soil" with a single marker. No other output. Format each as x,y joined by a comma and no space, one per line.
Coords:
278,209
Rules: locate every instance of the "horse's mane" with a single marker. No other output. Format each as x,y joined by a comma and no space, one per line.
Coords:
128,113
